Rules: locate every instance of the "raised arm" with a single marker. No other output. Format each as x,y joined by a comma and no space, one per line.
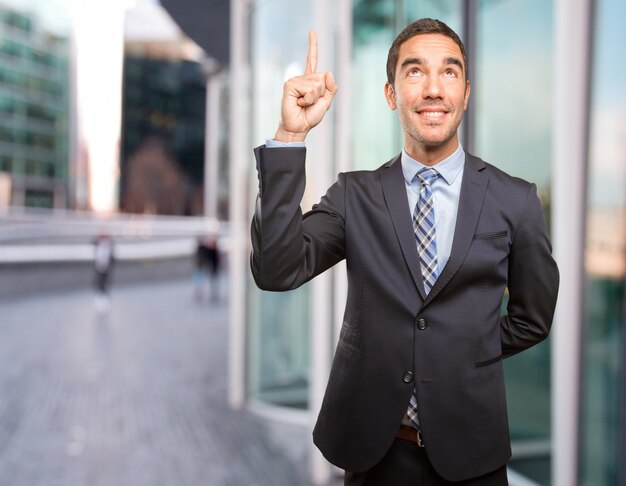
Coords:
288,249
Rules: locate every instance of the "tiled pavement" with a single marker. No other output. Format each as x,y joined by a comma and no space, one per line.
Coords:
134,398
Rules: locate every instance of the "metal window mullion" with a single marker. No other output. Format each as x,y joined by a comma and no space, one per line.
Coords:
239,155
571,113
468,128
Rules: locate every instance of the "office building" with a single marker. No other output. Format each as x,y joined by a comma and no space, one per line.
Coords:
35,102
162,158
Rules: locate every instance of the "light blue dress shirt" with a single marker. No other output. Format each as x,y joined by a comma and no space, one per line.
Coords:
275,144
446,191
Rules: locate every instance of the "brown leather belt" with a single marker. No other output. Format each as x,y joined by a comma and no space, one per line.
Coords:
409,433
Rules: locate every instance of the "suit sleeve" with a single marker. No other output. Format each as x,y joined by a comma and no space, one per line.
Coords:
533,282
289,248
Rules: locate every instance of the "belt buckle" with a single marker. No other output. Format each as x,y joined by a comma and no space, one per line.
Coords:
418,438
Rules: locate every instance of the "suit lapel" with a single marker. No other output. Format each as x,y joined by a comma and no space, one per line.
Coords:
470,204
394,191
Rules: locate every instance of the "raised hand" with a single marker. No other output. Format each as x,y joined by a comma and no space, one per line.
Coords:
306,99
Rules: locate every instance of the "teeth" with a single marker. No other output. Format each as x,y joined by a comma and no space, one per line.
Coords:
433,114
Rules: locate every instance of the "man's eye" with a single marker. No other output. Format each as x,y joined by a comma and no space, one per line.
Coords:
414,72
450,74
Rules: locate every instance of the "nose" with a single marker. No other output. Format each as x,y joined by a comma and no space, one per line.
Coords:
433,87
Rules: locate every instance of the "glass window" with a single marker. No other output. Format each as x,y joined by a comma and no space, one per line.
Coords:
5,163
375,26
279,347
448,11
377,133
278,344
39,199
605,256
513,88
512,98
16,20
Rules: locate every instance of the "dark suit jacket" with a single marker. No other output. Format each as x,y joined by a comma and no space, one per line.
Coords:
449,344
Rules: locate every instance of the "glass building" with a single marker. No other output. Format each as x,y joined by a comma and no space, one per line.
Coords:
35,101
565,421
162,126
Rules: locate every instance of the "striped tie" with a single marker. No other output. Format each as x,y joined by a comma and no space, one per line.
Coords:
424,227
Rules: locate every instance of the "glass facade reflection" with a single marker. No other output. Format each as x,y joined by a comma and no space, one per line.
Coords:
513,130
375,25
605,256
375,125
278,323
163,125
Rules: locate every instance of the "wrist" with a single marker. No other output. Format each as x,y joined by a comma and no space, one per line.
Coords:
289,137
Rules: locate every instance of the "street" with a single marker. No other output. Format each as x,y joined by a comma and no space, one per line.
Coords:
133,397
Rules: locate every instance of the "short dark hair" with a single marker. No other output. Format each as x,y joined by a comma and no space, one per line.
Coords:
421,26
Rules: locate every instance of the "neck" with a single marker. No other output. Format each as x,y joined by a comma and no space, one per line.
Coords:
431,155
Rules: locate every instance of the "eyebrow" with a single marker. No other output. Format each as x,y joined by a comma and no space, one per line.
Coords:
455,61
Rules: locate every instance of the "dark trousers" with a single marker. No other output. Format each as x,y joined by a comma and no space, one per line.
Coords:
405,464
102,282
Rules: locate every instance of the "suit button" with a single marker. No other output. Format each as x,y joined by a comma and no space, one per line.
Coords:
408,377
422,324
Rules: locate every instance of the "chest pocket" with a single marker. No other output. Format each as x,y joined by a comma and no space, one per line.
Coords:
488,253
497,239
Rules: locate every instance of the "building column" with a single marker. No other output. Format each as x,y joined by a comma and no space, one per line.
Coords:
238,155
470,41
211,138
320,142
571,75
330,142
343,142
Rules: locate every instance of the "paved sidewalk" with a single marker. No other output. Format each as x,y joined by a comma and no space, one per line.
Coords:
135,398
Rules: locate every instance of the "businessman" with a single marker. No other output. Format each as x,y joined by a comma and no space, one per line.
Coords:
432,239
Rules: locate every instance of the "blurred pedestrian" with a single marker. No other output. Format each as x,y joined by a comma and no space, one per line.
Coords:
207,268
103,265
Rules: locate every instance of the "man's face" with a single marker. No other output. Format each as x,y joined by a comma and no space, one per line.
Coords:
430,93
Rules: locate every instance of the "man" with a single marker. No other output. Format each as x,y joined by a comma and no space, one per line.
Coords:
103,265
432,239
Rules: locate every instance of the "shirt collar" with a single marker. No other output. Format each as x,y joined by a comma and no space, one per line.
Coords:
449,168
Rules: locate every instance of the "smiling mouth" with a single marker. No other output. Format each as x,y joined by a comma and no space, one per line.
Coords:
433,117
432,114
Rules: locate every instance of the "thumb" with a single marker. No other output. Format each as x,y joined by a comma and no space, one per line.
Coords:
331,86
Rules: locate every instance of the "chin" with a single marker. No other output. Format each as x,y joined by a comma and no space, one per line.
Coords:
436,139
433,142
431,139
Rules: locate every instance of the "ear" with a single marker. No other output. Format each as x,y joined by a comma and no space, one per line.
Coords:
467,95
390,96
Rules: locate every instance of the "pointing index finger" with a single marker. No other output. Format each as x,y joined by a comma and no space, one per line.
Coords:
311,58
